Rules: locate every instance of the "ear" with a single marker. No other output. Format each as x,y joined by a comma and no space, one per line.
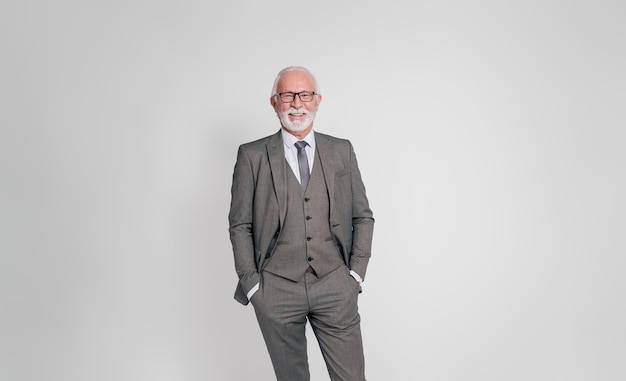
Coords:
318,101
273,102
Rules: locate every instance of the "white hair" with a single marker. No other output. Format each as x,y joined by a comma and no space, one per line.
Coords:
294,68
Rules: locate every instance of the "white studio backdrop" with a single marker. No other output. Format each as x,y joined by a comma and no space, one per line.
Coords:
490,136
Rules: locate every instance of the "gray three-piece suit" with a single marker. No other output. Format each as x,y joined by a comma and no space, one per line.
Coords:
298,247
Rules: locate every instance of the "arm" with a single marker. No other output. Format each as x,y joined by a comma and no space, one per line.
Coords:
362,223
240,226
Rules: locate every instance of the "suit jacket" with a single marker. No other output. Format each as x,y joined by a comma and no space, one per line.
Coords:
259,205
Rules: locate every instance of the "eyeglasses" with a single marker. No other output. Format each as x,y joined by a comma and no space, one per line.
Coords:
305,96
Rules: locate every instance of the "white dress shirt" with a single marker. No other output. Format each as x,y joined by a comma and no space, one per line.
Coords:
291,151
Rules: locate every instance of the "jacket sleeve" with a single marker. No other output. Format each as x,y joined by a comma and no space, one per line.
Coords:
240,225
362,221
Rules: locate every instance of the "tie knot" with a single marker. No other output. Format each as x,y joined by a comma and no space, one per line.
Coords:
301,144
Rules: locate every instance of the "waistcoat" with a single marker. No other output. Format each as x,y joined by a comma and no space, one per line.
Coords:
305,239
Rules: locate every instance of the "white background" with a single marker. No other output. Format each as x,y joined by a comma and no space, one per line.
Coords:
490,135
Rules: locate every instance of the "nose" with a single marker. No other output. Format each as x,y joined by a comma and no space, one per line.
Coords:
297,102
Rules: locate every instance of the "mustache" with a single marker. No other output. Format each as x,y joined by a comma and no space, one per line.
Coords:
301,110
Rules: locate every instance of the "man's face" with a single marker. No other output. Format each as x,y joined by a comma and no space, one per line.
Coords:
296,116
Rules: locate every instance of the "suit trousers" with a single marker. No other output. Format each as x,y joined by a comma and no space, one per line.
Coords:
283,306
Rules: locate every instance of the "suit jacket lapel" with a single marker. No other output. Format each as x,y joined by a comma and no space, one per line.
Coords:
278,165
326,155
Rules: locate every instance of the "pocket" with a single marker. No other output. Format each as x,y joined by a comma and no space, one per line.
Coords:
340,173
334,246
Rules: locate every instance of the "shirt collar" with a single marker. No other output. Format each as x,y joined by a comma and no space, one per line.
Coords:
290,140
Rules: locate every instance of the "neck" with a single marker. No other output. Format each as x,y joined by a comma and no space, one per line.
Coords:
300,134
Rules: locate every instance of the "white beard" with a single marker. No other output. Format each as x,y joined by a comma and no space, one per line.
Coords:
296,126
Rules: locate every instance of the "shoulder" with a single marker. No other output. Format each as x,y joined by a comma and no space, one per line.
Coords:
262,143
325,139
338,147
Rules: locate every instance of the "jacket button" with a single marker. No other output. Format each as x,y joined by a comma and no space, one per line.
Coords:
308,217
306,199
308,238
309,259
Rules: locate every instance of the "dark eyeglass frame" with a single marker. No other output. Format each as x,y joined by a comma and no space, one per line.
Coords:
292,96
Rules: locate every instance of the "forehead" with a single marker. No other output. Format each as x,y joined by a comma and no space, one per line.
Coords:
295,81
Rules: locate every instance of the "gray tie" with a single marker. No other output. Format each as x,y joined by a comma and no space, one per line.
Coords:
303,164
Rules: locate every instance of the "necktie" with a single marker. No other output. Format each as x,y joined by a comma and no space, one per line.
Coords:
303,164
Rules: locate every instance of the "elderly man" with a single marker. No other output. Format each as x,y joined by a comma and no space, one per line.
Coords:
301,231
